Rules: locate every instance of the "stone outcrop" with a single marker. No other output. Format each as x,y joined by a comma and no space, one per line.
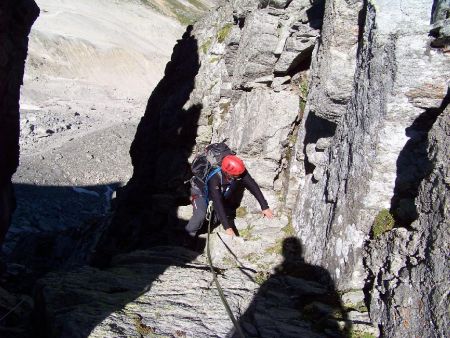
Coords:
373,158
369,165
16,18
441,24
334,60
168,291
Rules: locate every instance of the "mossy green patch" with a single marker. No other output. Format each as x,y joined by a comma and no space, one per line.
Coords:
289,230
358,334
360,307
303,87
223,33
277,248
241,212
383,222
252,258
205,46
293,137
224,107
210,120
247,232
261,277
302,105
231,262
214,59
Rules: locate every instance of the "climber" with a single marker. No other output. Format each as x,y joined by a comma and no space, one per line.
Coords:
224,189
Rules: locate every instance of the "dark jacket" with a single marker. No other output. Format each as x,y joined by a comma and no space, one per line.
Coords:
219,187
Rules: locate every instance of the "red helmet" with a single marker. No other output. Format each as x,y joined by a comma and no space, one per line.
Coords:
232,165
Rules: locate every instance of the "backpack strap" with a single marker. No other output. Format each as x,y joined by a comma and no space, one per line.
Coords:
211,174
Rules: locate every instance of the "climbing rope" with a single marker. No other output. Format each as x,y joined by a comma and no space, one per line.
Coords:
216,281
12,310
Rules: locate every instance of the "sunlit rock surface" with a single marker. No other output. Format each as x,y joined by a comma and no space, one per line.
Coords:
339,110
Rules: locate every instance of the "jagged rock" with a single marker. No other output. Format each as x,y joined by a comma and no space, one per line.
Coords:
241,8
163,291
369,148
298,48
275,3
441,24
323,143
261,82
253,128
339,165
353,299
334,61
256,48
279,81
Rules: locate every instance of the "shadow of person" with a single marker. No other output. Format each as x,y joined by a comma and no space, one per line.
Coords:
298,300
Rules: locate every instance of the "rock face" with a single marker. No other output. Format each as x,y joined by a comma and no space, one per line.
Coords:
409,267
374,158
228,88
365,162
167,291
16,18
441,24
330,107
339,110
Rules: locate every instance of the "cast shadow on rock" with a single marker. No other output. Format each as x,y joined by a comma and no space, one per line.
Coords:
413,165
146,212
298,300
50,225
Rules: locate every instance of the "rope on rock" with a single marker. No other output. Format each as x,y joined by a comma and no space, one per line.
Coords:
12,310
216,281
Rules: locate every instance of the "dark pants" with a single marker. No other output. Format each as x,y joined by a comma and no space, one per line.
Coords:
198,217
231,202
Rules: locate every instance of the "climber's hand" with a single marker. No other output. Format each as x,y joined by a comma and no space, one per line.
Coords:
268,213
230,232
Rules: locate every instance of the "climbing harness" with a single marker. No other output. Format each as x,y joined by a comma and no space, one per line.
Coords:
209,217
206,192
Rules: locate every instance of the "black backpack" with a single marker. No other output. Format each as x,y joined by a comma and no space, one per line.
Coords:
205,165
